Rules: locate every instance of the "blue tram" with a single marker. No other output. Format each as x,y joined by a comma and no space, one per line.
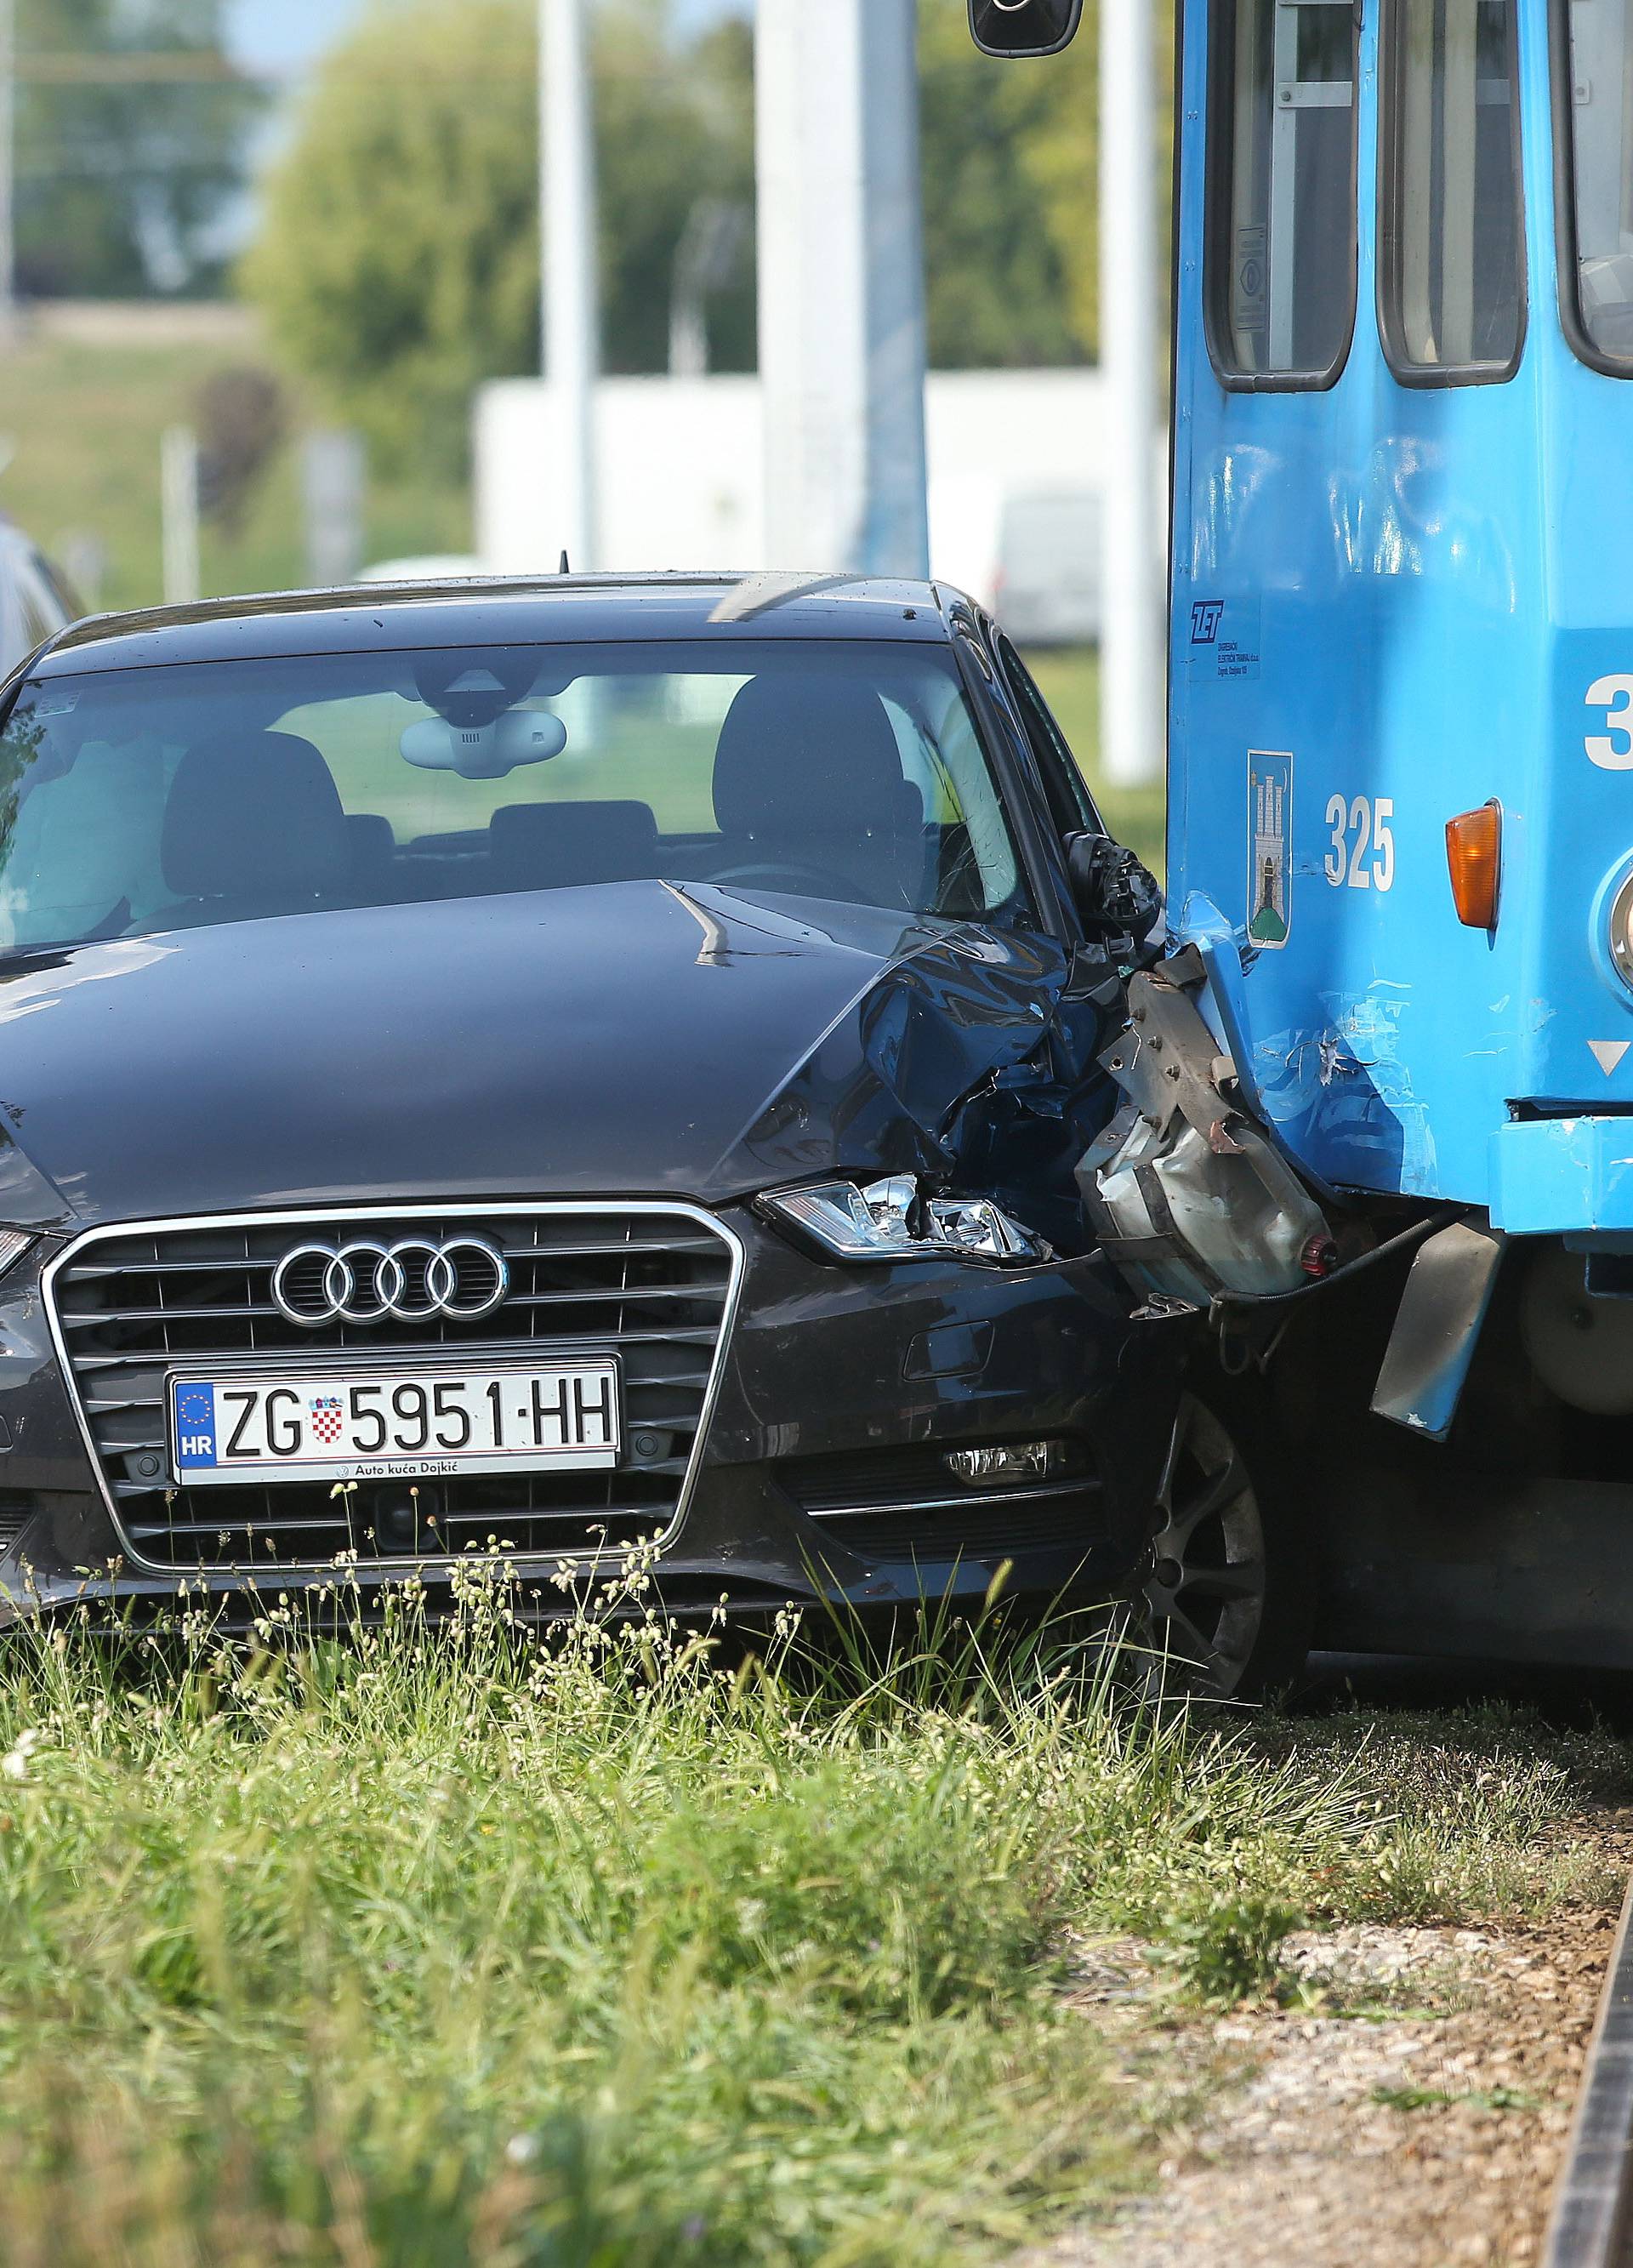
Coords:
1400,832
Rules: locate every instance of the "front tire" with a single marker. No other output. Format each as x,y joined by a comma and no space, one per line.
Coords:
1231,1596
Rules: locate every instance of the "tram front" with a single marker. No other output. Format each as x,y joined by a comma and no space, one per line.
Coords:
1400,834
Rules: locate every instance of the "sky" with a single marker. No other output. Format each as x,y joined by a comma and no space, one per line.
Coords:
286,35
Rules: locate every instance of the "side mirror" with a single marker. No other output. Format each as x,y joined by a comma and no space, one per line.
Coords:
1013,29
1115,895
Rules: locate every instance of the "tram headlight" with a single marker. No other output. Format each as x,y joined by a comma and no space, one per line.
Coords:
1622,931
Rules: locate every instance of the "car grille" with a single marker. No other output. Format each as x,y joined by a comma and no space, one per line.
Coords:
16,1510
654,1285
902,1503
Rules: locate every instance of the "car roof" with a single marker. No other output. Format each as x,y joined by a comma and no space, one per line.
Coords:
497,610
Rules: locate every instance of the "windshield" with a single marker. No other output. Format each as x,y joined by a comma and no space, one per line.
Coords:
1601,130
144,799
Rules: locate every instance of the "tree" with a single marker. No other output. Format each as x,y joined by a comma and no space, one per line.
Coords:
397,261
1012,193
130,149
1009,166
399,255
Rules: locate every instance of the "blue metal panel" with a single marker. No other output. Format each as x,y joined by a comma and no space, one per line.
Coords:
1407,592
1563,1176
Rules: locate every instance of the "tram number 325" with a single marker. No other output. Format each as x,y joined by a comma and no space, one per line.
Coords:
1362,856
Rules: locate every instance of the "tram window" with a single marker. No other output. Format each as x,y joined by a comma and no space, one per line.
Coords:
1282,197
1451,233
1595,83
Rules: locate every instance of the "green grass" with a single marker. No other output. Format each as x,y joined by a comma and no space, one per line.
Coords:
435,1948
83,423
1436,2098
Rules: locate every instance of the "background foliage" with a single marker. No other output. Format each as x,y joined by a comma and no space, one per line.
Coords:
121,182
397,302
399,262
397,251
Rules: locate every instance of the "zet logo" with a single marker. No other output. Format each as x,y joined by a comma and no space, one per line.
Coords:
1206,616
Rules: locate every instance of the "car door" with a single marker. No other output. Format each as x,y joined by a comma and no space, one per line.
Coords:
1065,791
1057,808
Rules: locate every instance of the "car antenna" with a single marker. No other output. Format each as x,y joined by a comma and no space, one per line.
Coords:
563,569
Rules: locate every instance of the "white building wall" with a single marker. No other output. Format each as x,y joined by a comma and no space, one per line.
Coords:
681,469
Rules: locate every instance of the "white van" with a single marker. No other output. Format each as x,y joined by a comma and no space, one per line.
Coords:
1047,591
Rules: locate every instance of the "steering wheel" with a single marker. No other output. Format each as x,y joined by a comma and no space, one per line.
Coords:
777,874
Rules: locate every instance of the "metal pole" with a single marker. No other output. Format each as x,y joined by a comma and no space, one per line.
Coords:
1132,733
570,287
333,481
842,286
8,166
179,507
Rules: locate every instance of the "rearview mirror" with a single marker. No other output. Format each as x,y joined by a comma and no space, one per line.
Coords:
1010,28
486,751
1114,893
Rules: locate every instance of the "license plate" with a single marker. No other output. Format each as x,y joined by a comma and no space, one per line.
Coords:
393,1424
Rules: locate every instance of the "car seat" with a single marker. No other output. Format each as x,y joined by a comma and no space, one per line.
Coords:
253,825
373,848
550,846
808,778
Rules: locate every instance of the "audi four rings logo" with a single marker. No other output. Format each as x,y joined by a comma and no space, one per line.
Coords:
416,1281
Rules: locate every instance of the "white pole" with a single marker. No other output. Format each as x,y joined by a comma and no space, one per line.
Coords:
842,286
179,504
333,483
570,292
8,167
1132,581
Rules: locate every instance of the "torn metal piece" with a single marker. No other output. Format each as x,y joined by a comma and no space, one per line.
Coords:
1188,1196
1426,1363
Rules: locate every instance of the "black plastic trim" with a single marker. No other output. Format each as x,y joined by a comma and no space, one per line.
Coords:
1028,53
1051,912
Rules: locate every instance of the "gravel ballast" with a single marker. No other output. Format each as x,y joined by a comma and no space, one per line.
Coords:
1405,2101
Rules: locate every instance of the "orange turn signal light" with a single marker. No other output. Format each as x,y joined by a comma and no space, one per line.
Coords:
1474,852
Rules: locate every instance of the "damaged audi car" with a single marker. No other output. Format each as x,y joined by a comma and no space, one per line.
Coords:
563,1068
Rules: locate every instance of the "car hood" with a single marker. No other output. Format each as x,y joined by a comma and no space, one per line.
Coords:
632,1037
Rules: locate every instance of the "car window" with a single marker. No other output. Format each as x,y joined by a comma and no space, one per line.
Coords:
1072,807
949,770
145,799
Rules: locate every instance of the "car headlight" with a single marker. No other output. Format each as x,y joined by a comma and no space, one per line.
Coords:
892,1220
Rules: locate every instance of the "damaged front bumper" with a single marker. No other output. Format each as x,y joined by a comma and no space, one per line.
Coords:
1563,1176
